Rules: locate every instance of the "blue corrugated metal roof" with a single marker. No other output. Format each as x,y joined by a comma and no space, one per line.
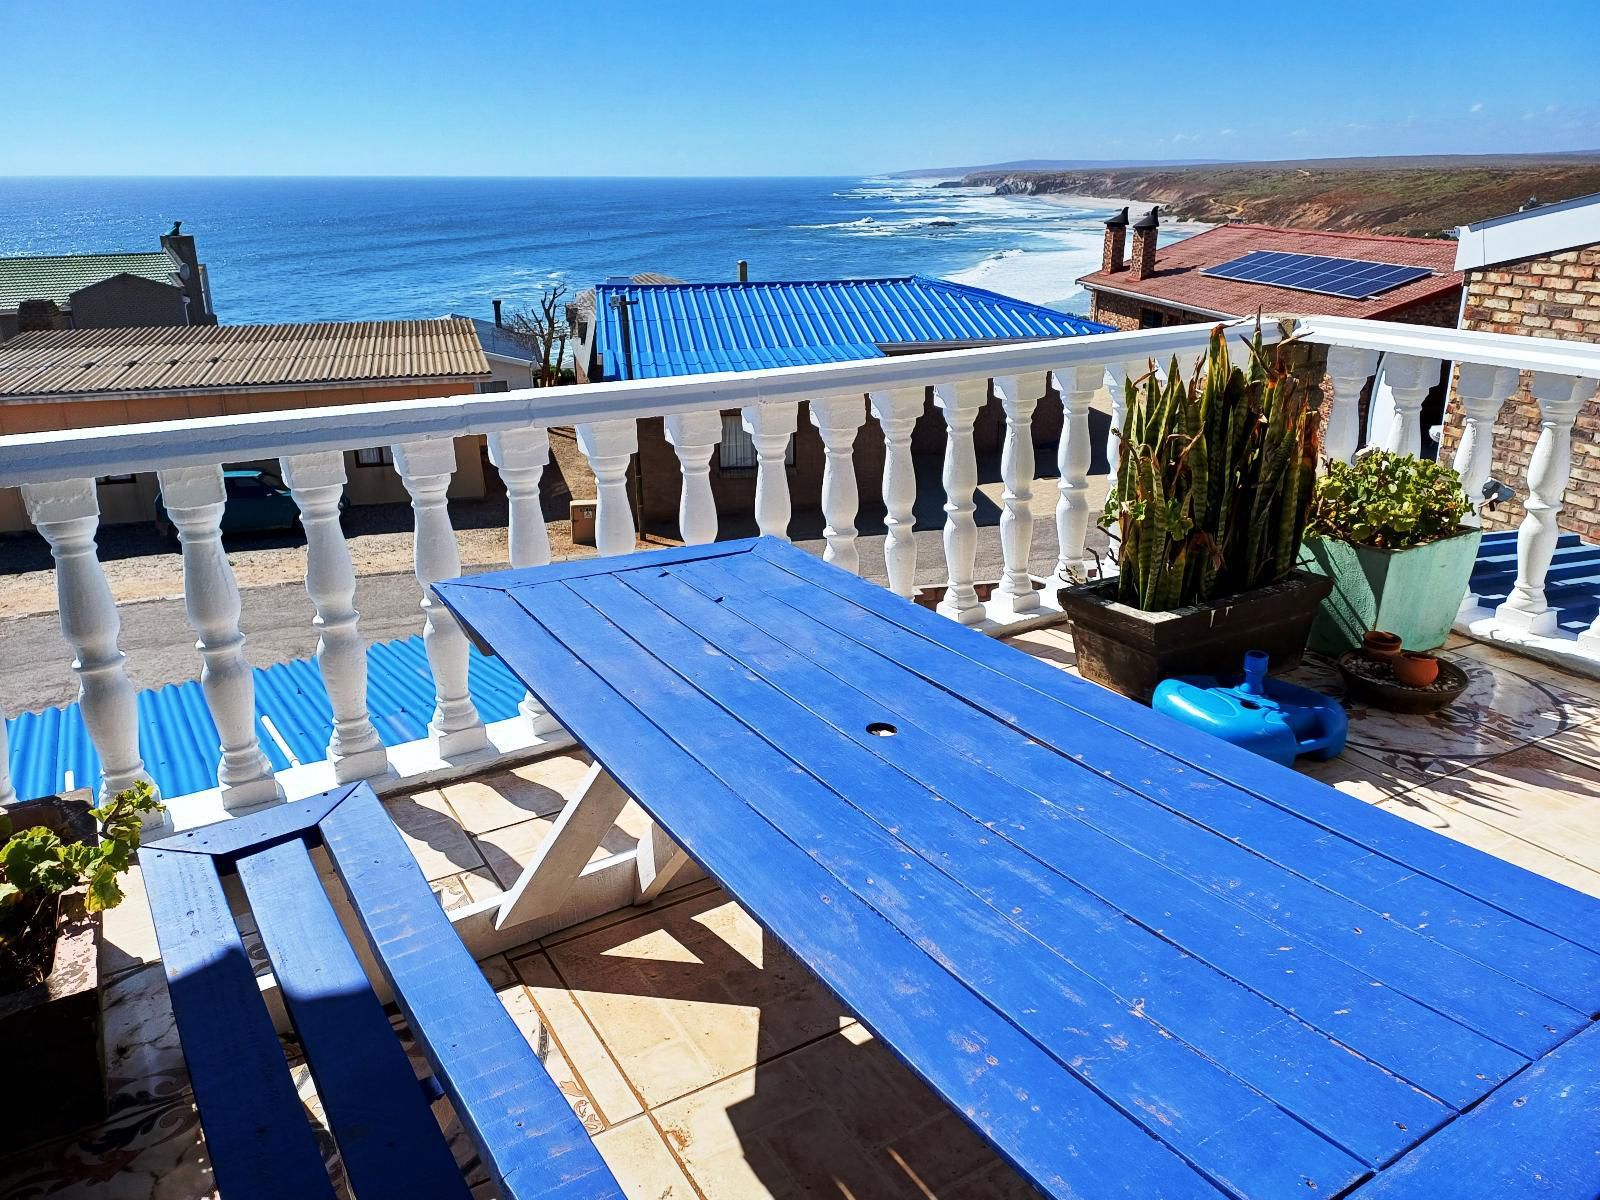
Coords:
51,751
693,328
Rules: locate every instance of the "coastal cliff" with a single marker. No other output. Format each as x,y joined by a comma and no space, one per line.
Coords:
1424,201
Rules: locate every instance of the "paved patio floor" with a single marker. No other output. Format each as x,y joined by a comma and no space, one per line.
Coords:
706,1062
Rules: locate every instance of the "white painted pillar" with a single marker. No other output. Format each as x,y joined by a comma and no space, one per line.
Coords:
425,468
1117,376
521,455
838,419
1019,396
770,427
194,499
1481,392
317,482
1560,397
960,403
609,446
1078,387
1409,378
897,413
1349,368
67,514
8,794
694,436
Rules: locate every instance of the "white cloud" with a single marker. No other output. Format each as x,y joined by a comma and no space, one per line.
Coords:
1477,107
1299,133
1224,133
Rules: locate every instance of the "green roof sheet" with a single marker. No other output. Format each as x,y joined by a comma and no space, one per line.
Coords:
57,276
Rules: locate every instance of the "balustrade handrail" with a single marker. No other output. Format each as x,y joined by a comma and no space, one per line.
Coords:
1523,353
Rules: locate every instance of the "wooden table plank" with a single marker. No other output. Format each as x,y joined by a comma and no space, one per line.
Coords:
1230,1131
257,1137
388,1139
1055,1129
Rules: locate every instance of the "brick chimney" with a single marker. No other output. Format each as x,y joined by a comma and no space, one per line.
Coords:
1116,240
1143,264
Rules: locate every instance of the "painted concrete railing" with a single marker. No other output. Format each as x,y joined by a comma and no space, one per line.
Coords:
57,472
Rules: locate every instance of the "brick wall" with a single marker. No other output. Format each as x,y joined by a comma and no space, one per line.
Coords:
1553,296
1126,312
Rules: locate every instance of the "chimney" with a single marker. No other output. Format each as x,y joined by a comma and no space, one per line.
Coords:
1143,264
498,323
39,315
191,274
744,271
1116,239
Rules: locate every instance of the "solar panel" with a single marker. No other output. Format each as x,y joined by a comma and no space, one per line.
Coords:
1353,278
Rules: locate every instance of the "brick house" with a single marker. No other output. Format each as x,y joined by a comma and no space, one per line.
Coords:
1537,273
168,286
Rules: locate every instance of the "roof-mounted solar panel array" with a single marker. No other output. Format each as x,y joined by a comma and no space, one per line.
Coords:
1353,278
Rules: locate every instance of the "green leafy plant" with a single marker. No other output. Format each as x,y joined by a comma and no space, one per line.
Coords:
1214,480
1388,500
36,866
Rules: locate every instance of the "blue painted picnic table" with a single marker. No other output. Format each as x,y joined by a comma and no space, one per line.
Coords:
1139,961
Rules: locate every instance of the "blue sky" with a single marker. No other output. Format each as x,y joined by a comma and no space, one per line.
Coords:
703,87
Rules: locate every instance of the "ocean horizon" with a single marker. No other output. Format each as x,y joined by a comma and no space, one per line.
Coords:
331,248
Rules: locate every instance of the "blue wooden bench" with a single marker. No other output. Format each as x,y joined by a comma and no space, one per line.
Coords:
1139,961
257,1131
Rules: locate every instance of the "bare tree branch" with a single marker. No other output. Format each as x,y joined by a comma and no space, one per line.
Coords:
545,334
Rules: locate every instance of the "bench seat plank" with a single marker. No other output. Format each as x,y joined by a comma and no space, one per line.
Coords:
388,1139
260,1144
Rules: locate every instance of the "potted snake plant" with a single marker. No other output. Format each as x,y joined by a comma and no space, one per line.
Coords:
1214,482
1389,531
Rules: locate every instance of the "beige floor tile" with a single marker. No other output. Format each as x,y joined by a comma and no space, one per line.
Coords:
457,891
507,851
692,993
430,829
638,1156
536,789
1052,645
127,932
560,1017
1581,744
677,895
144,1058
1358,775
151,1152
840,1117
1532,668
1551,865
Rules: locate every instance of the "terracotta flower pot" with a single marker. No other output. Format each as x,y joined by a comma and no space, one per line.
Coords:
1379,644
1415,669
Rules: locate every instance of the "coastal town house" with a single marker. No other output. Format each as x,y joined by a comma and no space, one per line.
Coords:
655,330
168,286
93,378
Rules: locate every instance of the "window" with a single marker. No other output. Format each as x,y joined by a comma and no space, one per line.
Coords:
375,456
737,451
1150,318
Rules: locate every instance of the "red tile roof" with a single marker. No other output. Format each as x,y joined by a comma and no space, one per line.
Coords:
1177,280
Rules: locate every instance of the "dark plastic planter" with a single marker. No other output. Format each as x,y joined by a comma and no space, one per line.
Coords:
50,1032
1130,651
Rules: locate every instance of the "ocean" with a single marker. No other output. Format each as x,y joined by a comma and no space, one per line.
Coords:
326,249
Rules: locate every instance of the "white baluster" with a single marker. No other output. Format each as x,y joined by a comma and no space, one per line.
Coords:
1117,376
1481,391
694,436
521,455
1560,397
609,446
317,482
67,515
770,427
897,414
1349,368
1410,379
8,794
194,499
425,468
1078,387
838,418
960,403
1019,396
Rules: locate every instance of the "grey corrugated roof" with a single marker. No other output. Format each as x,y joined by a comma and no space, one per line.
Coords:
57,276
497,340
82,362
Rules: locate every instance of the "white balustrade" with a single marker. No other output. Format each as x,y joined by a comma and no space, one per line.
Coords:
67,515
1078,388
770,427
838,419
694,436
1481,391
960,403
194,499
897,412
8,794
1349,368
521,455
1409,379
1019,396
1560,397
610,446
425,468
317,483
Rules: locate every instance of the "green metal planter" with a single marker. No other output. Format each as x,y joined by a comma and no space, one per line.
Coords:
1414,593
